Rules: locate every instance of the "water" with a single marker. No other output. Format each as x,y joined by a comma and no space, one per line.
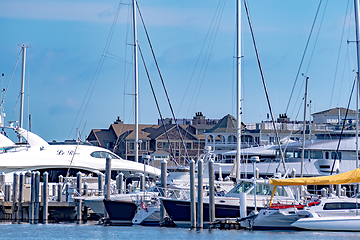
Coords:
94,231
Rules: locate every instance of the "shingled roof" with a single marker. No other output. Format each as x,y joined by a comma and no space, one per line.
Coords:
227,124
336,111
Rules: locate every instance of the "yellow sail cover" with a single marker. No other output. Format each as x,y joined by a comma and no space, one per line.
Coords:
342,178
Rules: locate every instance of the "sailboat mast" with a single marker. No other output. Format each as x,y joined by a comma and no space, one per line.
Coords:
238,102
136,85
356,6
23,49
304,128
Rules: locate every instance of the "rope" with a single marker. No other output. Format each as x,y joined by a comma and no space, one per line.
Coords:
157,105
265,88
162,81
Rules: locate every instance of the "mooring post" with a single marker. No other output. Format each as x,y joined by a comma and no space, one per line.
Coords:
67,191
211,191
120,183
192,194
86,189
45,197
32,201
79,211
59,192
200,206
242,204
78,182
15,194
2,182
37,197
100,183
107,181
7,192
163,186
21,196
142,182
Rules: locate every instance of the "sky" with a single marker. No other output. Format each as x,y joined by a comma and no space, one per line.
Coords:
79,65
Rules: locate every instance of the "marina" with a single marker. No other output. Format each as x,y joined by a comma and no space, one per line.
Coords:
185,178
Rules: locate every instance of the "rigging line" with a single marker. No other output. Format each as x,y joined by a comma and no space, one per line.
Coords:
72,157
347,61
46,97
265,88
197,60
210,48
343,127
312,52
157,105
162,81
207,52
11,77
303,56
338,57
96,74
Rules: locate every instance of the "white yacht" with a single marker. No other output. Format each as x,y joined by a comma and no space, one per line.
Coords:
59,158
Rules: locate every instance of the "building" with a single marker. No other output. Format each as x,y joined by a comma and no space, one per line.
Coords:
154,139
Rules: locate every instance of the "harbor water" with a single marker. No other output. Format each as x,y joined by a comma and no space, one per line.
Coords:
95,231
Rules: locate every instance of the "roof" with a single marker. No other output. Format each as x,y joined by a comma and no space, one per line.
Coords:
335,111
227,124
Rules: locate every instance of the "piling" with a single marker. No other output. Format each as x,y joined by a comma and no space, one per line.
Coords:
107,181
211,192
67,192
120,182
78,182
37,197
21,196
163,185
7,192
242,202
15,194
293,173
86,189
59,190
32,198
2,182
142,182
108,177
45,197
79,211
100,183
200,209
192,194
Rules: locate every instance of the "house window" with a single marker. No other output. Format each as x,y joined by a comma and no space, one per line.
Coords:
177,153
165,145
188,145
143,146
131,146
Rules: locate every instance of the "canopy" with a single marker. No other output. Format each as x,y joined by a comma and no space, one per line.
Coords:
342,178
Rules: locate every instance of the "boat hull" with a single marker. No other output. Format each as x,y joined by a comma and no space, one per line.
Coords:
120,212
329,223
179,211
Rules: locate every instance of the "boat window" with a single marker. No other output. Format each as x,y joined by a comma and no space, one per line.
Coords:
241,187
326,155
289,154
333,155
264,189
102,154
316,154
341,205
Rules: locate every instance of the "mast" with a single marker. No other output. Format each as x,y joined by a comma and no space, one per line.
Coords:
356,6
304,128
136,85
238,102
23,49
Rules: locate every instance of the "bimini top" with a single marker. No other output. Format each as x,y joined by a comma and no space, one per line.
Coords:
342,178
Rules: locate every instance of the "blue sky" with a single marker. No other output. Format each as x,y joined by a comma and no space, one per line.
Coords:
67,39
